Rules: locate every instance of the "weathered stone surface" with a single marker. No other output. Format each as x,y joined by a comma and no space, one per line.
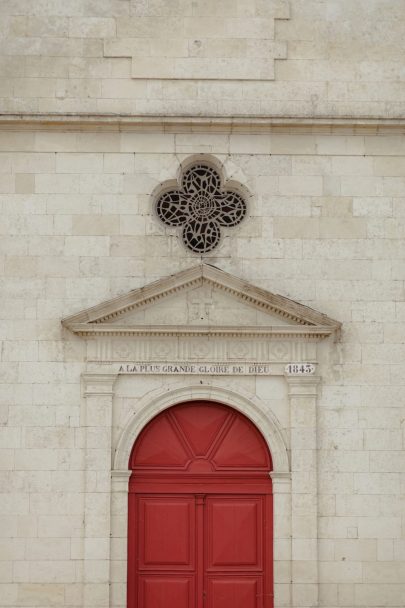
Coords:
278,57
326,228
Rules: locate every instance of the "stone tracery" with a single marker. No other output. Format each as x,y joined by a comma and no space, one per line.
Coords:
201,206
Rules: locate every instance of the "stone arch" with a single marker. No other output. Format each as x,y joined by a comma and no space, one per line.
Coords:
249,405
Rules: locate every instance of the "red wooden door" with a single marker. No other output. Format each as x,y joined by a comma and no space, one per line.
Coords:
166,568
200,512
234,539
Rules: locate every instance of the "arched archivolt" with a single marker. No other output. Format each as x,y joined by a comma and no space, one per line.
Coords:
249,405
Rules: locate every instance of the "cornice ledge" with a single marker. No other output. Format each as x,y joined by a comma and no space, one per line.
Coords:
121,473
303,386
281,477
193,123
101,385
305,332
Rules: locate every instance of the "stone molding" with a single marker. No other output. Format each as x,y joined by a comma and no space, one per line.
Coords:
306,333
305,322
119,480
248,404
104,354
98,384
303,386
282,478
196,124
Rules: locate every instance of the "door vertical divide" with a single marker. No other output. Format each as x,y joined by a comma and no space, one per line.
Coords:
200,566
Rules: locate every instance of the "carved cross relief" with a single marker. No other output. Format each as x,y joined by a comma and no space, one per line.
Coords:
200,308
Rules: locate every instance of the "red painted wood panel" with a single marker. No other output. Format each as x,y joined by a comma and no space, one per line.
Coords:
166,532
203,432
200,512
235,564
234,592
234,532
164,591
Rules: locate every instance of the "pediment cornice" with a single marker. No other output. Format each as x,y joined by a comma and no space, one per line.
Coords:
302,322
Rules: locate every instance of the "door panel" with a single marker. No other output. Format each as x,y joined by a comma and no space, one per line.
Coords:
234,533
166,529
218,555
163,591
234,592
234,551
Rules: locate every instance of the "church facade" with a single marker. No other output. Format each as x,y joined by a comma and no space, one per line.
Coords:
203,317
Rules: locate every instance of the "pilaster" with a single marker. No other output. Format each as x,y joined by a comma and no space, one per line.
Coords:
97,423
282,554
118,537
302,392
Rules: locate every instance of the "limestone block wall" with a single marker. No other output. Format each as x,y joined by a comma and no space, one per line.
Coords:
234,57
326,227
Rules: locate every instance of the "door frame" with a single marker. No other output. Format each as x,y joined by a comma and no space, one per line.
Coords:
295,575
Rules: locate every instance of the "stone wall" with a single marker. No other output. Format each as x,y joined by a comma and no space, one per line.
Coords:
234,57
326,228
91,85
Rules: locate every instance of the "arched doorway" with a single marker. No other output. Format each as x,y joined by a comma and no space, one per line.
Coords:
200,511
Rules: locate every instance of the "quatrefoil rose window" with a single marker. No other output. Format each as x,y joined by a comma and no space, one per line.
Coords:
201,207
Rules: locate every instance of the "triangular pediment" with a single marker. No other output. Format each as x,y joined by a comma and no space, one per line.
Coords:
201,301
198,305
